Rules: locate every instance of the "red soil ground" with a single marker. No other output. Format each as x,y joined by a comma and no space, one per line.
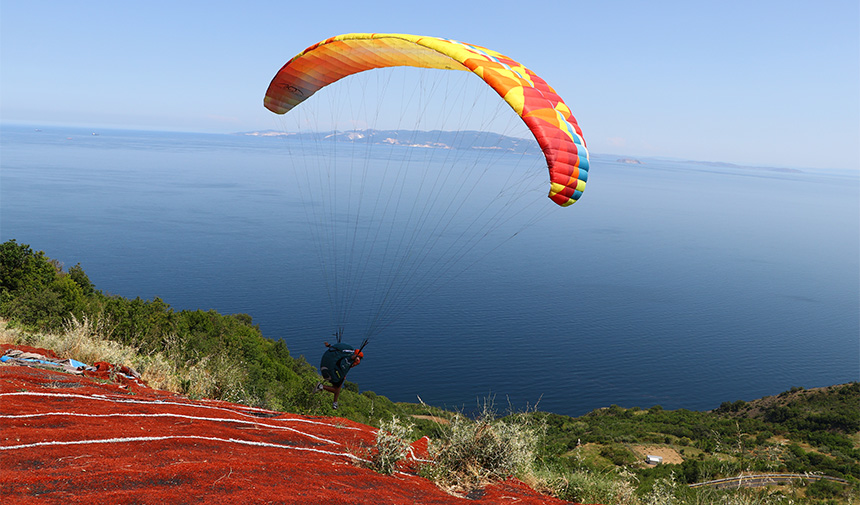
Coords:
74,439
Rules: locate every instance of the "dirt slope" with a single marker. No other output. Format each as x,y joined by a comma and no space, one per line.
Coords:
73,439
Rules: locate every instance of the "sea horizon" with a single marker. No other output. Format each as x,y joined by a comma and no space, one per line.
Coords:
716,163
678,283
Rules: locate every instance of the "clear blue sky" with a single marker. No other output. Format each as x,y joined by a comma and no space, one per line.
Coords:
757,82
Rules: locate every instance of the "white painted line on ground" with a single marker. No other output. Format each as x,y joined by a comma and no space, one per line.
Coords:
182,416
159,402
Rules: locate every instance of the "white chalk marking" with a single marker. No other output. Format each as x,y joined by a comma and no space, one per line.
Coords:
159,402
182,416
176,437
192,437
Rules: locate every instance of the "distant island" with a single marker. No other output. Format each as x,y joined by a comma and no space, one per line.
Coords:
719,164
473,140
434,139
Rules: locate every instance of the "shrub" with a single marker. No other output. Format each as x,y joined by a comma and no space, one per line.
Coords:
392,445
823,489
664,492
617,454
473,453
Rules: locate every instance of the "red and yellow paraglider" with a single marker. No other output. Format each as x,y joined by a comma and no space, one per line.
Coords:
543,111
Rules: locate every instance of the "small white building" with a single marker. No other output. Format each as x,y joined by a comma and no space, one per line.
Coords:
653,460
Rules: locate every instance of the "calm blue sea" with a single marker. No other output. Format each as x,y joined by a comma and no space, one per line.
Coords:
670,282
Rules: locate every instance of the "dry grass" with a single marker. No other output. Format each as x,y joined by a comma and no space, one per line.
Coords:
83,341
435,419
218,376
474,453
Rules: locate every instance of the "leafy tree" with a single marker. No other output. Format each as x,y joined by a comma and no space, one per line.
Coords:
77,274
20,267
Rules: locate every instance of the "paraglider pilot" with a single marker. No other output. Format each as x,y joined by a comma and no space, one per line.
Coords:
338,359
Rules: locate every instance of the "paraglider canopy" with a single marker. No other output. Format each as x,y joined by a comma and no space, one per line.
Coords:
544,112
396,213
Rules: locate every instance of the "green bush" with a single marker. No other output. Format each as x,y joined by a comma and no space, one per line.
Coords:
617,454
824,489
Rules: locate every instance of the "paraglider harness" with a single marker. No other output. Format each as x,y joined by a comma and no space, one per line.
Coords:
338,359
